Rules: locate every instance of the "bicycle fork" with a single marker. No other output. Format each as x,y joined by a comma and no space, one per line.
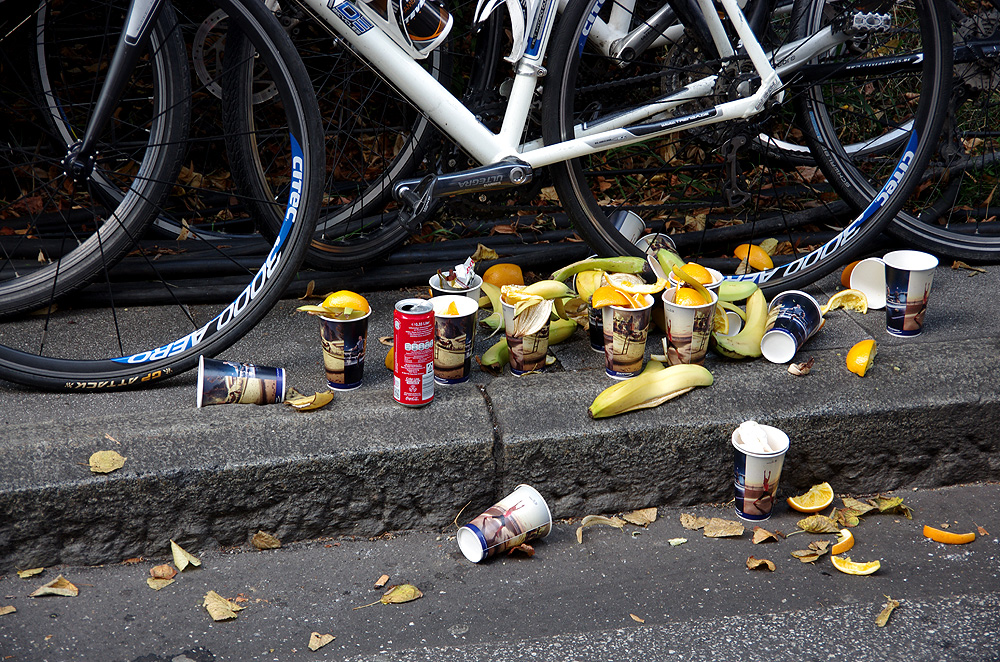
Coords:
81,158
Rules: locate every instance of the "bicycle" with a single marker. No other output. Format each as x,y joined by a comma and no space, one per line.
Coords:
101,149
892,67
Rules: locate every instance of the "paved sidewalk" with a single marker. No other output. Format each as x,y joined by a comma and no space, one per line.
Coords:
925,416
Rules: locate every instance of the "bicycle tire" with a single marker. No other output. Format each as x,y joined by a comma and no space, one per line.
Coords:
953,211
125,349
147,136
374,138
673,173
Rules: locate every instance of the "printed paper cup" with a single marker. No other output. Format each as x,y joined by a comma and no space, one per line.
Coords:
792,318
908,276
625,331
755,474
454,338
519,517
473,291
689,328
226,382
344,350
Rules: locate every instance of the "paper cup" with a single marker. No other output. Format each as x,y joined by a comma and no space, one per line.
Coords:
473,291
689,329
653,242
344,350
517,518
717,279
595,328
527,353
454,338
629,224
625,331
225,383
793,317
868,276
908,276
755,475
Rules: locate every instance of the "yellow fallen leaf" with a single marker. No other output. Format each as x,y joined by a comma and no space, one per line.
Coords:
219,608
103,462
310,288
692,522
31,572
165,571
9,609
156,583
182,558
818,524
722,528
317,640
762,535
264,540
883,617
484,254
760,564
58,586
397,595
642,517
591,520
637,619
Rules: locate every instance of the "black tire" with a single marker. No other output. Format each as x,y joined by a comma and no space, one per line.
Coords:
676,183
954,209
374,138
135,344
48,103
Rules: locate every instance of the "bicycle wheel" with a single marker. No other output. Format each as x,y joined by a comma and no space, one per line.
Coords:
953,211
374,138
216,290
715,186
63,227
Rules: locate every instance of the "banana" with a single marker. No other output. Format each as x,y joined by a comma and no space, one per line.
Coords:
494,320
496,356
650,389
561,330
548,289
736,290
625,264
746,343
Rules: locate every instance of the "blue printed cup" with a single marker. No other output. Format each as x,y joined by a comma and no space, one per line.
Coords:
756,473
344,344
908,276
230,383
792,318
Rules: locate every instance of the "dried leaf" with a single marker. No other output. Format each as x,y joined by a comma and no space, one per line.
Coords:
817,548
58,586
523,548
637,619
818,524
219,608
883,617
643,517
310,288
103,462
762,535
317,640
401,593
845,518
982,531
892,505
165,571
759,564
721,528
264,540
677,541
857,507
24,574
157,583
484,254
181,558
9,609
312,402
958,264
590,520
692,522
801,369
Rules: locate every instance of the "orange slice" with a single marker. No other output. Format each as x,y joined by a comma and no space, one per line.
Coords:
754,255
844,542
947,537
816,499
504,274
845,564
698,272
346,299
686,296
452,309
861,356
607,295
850,299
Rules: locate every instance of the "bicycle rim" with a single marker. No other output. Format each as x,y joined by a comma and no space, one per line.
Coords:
677,183
212,291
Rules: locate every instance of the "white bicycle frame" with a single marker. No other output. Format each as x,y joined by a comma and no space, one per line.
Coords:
350,20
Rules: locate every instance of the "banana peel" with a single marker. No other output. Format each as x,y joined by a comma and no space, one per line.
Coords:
498,355
746,343
651,388
626,264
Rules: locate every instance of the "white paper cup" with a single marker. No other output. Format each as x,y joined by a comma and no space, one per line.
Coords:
868,276
228,383
689,328
473,291
755,475
454,338
717,279
519,517
527,353
629,224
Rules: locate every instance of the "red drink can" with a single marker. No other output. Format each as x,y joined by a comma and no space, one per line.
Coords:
413,342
